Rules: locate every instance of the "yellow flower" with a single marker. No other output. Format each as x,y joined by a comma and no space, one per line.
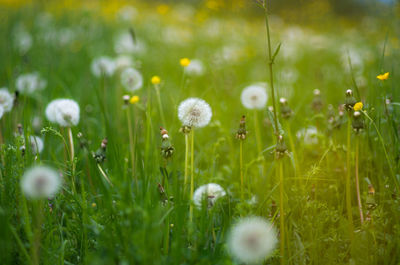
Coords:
155,80
94,204
162,9
358,106
383,76
184,62
134,99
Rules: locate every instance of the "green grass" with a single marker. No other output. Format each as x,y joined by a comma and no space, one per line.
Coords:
127,223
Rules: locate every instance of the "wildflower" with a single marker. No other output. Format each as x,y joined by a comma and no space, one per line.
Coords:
122,62
194,112
286,112
6,100
1,111
358,121
126,99
350,100
241,133
155,80
94,205
103,66
40,182
22,39
36,144
134,100
131,79
195,68
184,62
162,9
358,106
127,13
254,96
317,101
167,150
383,77
29,83
212,192
251,240
100,154
126,44
65,112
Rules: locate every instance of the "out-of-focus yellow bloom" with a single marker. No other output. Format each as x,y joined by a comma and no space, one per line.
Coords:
134,99
184,62
358,106
162,9
155,80
94,204
214,4
383,76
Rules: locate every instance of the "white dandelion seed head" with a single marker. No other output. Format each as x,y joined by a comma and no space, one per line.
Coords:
65,112
131,79
194,112
125,44
29,83
40,182
6,99
103,65
251,240
254,96
210,192
1,111
36,144
22,39
122,62
195,68
127,13
308,135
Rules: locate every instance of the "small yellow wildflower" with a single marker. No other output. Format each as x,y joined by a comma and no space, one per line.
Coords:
184,62
358,106
94,205
155,80
162,9
134,99
384,76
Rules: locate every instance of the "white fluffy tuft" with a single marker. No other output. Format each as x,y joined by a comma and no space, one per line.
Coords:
131,79
6,100
65,112
254,96
212,192
40,182
194,112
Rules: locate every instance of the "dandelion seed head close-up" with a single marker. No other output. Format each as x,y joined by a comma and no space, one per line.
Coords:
210,192
194,112
65,112
40,182
6,100
254,96
131,79
251,240
30,83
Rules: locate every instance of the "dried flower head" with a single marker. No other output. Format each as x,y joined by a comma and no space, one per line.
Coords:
65,112
251,240
194,112
210,192
6,100
254,96
29,83
241,133
131,79
40,182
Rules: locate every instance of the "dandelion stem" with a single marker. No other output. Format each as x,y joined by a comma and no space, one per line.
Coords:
258,133
348,188
104,174
72,150
358,181
241,170
191,176
160,106
131,143
186,159
281,211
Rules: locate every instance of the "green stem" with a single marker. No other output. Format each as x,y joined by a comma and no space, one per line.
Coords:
348,179
72,155
131,143
104,175
37,232
191,176
281,211
258,133
241,171
358,181
186,160
164,124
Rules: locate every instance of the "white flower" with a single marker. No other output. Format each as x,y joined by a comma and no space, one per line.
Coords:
65,112
127,13
124,43
131,79
40,182
1,111
254,96
36,144
309,135
251,240
195,67
22,39
6,100
194,112
103,66
210,191
122,62
29,83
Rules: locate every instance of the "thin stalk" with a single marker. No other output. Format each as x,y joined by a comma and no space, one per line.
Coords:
37,233
348,188
358,181
258,133
160,106
292,147
166,237
241,170
131,143
72,155
191,176
104,175
186,159
281,211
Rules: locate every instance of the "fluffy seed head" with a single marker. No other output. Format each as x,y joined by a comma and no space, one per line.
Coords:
195,68
308,135
194,112
29,83
65,112
349,92
40,182
251,240
1,111
254,96
210,192
6,100
125,44
131,79
103,66
36,144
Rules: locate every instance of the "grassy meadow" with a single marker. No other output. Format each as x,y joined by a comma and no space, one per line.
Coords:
316,156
